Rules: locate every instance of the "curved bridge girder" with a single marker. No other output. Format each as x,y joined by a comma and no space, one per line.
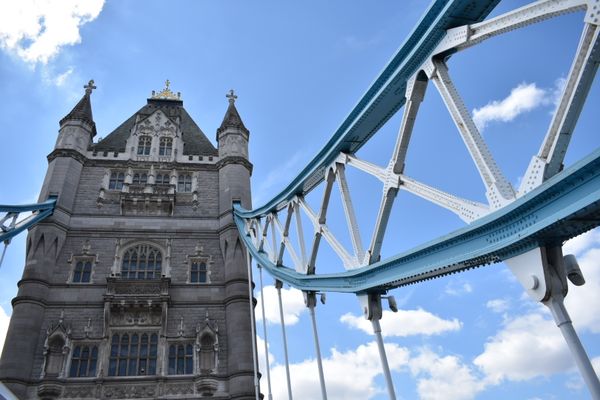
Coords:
10,225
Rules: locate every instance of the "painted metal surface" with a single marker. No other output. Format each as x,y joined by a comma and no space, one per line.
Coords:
10,225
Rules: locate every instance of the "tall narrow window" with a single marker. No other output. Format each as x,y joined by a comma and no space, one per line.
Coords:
184,183
144,144
165,147
140,178
181,359
82,272
198,272
133,354
142,262
162,179
83,361
116,180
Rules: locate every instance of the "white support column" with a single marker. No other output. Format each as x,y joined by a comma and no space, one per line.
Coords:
371,304
311,302
499,191
542,273
253,327
262,303
278,286
300,233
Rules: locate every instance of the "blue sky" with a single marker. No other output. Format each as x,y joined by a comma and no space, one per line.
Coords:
298,68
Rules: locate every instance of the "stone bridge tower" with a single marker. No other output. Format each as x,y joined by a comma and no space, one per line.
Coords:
137,287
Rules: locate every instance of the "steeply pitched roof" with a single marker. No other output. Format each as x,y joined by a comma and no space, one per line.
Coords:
194,140
232,119
82,112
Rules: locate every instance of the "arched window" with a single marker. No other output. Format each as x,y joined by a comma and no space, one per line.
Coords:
144,144
184,183
142,262
181,359
83,361
133,354
165,147
82,272
162,179
116,180
140,179
198,272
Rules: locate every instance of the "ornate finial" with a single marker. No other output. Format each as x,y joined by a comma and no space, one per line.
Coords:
181,326
62,317
89,87
166,93
231,96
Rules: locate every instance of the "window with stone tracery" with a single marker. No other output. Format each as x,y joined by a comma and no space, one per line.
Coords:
140,178
162,179
142,262
165,146
144,145
184,183
83,361
82,272
116,180
198,271
133,354
181,359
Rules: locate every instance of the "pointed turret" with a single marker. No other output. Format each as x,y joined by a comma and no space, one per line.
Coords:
232,119
83,110
78,128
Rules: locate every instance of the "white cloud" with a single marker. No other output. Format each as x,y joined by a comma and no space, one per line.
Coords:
527,347
497,305
349,375
404,323
262,359
454,288
444,377
293,305
583,242
583,302
36,30
4,320
521,99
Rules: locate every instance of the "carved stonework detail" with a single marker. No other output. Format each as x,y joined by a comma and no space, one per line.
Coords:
79,392
129,391
129,318
207,386
49,391
179,388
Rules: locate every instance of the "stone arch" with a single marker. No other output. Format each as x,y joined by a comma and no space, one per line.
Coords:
207,346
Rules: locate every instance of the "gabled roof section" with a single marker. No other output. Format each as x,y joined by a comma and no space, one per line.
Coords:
83,109
195,142
232,118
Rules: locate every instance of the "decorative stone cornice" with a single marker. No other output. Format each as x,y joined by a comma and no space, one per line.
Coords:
235,160
67,153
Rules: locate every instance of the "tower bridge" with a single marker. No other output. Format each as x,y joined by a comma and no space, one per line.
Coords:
524,226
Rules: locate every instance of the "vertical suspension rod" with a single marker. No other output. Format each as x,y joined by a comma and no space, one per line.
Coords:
278,285
311,302
264,320
384,361
252,327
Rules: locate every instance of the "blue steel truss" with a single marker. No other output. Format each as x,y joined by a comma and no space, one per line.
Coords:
564,206
10,226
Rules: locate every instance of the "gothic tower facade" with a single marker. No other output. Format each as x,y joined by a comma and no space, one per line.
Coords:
137,286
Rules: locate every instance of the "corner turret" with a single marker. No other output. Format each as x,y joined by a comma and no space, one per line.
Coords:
78,128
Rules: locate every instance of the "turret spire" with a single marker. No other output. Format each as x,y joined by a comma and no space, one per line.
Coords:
83,109
232,118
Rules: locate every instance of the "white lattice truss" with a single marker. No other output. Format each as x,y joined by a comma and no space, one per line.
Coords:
272,235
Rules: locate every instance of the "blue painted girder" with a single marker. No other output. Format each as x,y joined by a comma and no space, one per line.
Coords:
563,207
40,210
385,96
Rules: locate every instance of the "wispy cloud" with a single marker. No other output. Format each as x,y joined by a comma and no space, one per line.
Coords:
522,99
36,30
455,288
405,323
276,177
